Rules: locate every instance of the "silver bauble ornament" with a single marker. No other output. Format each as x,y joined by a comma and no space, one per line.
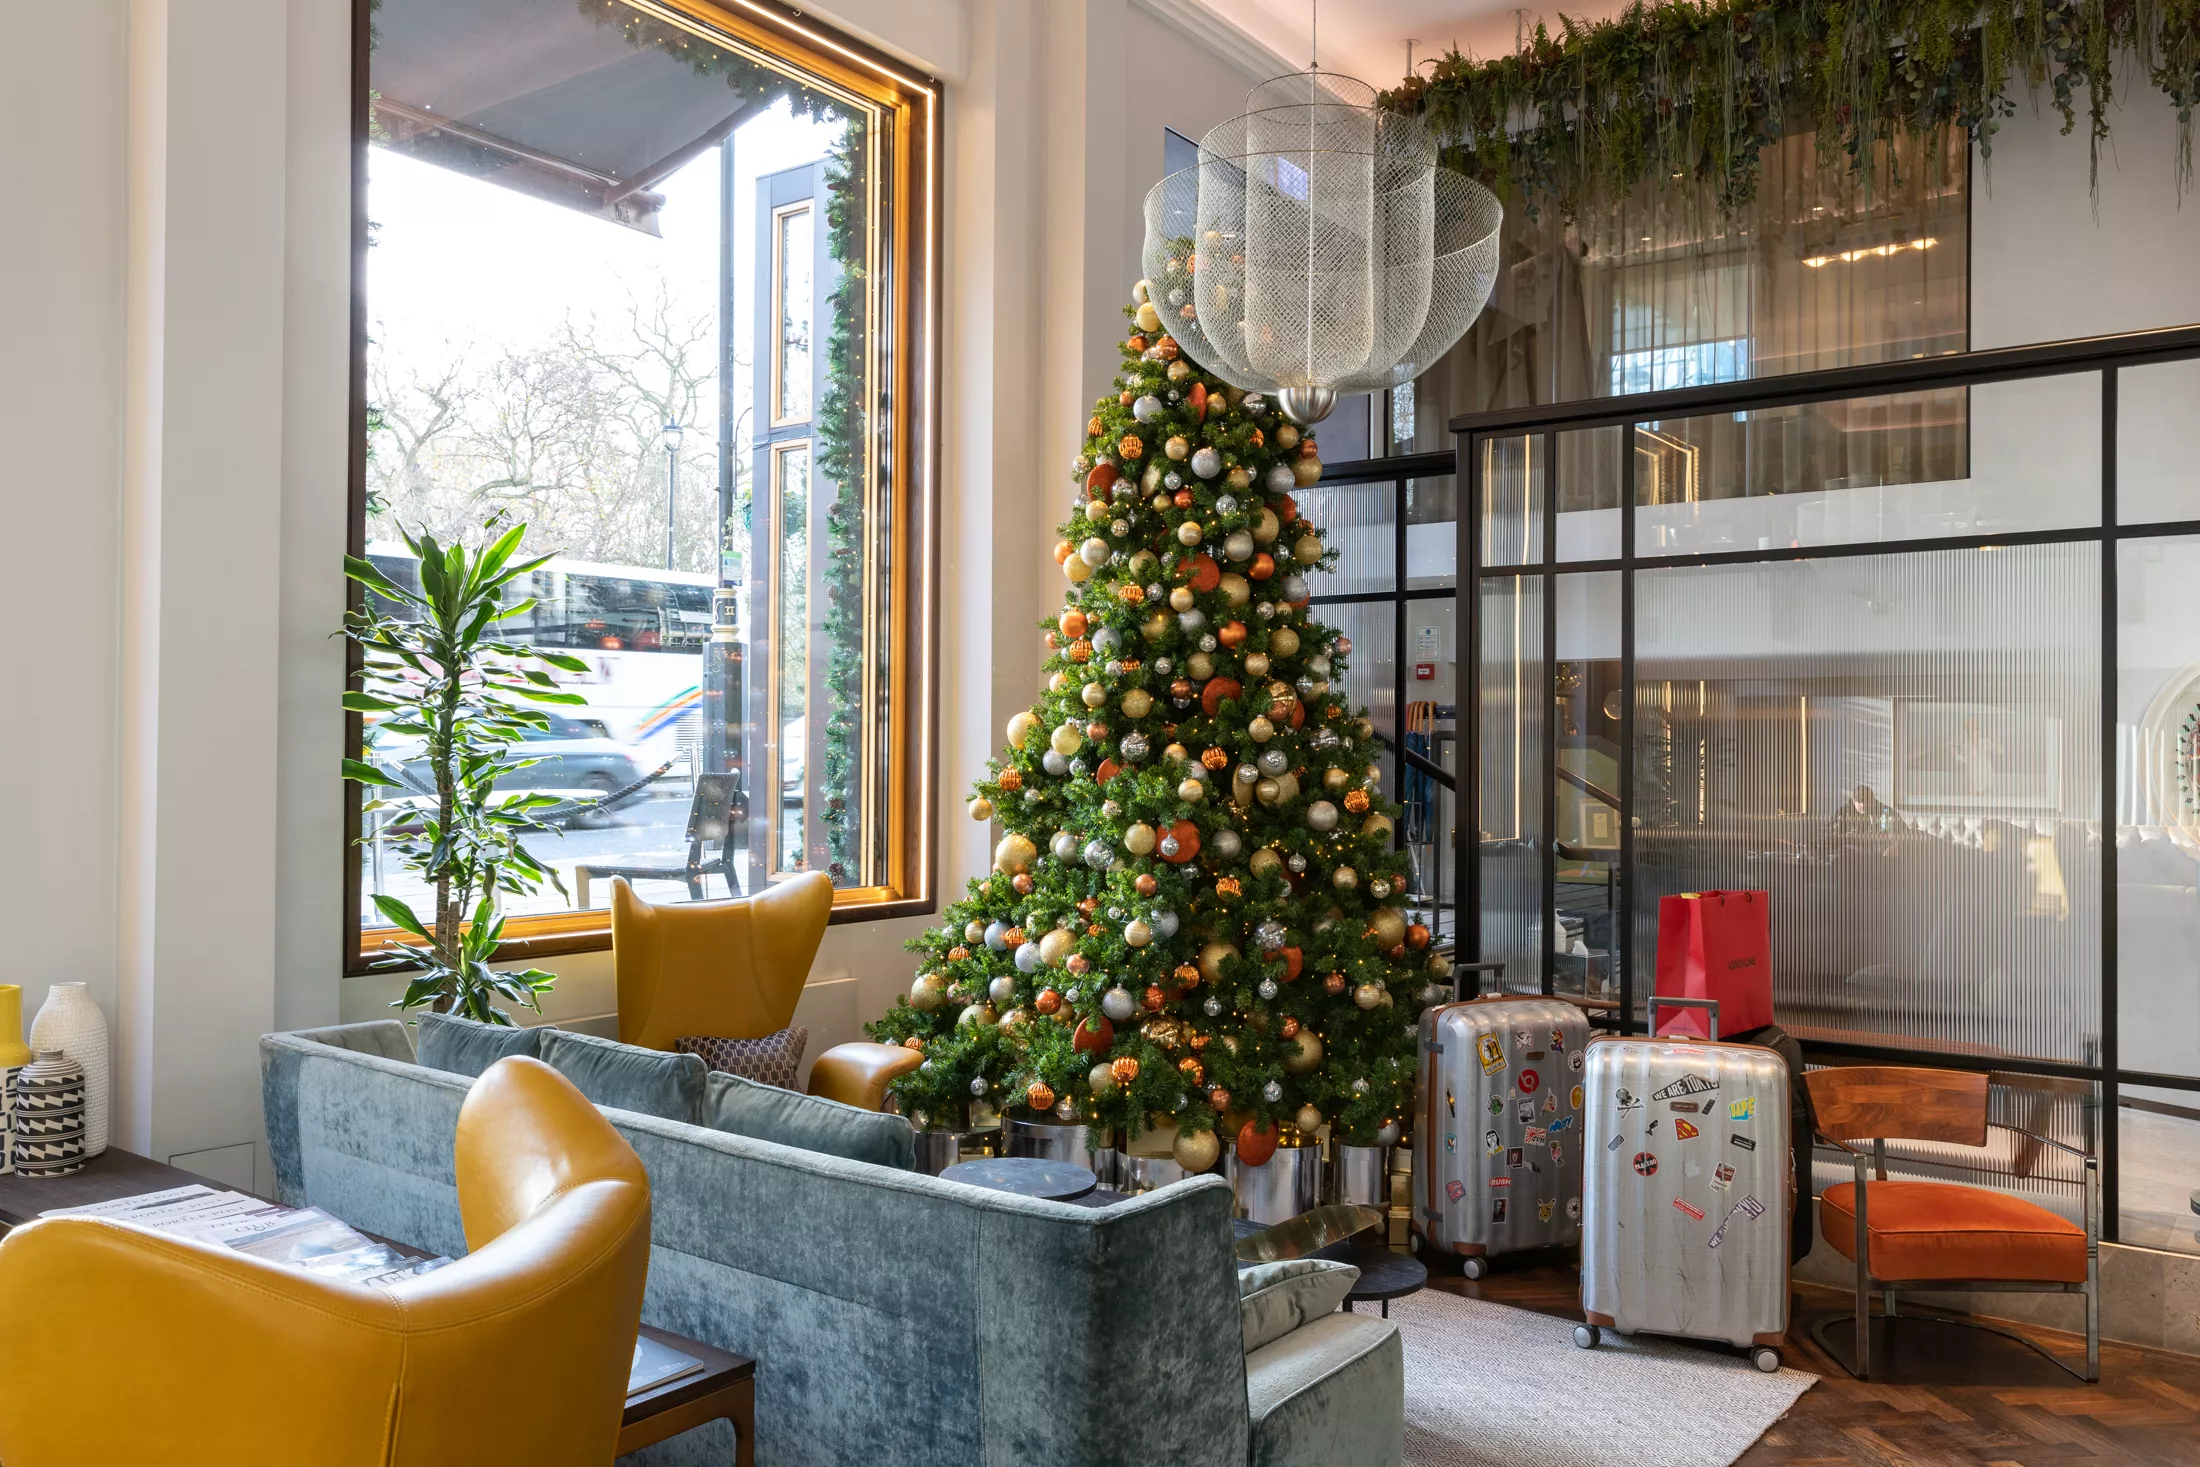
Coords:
978,1085
1293,588
1268,990
1118,1004
1359,1087
996,937
1002,989
1136,746
1147,408
1207,463
1278,480
1272,1091
1273,761
1226,844
1027,958
1296,862
1213,1007
1166,923
1099,855
1269,934
1054,763
1064,846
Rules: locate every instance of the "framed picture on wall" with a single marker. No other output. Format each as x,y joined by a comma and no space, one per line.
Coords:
1987,757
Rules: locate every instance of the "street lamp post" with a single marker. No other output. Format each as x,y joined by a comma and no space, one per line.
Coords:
672,484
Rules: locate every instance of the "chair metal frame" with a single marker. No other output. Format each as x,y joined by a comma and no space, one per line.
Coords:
1876,1162
711,817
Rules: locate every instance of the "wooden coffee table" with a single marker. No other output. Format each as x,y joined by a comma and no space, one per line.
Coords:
725,1388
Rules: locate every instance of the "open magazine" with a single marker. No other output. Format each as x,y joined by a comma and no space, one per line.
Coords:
310,1239
302,1237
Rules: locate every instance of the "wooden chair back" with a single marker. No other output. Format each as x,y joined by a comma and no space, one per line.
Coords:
1893,1102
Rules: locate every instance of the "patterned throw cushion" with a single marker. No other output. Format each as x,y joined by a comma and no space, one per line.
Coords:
772,1060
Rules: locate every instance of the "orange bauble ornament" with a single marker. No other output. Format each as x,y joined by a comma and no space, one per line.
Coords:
1048,1001
1132,446
1293,962
1215,758
1072,624
1155,999
1333,984
1197,400
1290,1028
1263,566
1354,800
1202,574
1231,635
1191,1069
1186,836
1012,780
1219,1098
1145,885
1125,1070
1256,1142
1417,937
1094,1036
1040,1096
1102,477
1217,691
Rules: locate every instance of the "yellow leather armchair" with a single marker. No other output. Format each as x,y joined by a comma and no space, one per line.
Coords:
136,1347
735,970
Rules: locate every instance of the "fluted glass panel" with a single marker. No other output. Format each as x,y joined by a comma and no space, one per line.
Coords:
1425,820
1588,493
1512,500
1903,751
1515,693
2158,443
1368,672
2000,458
1359,522
1586,710
2158,805
1432,532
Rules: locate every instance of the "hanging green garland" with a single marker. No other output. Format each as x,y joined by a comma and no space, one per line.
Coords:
840,432
1697,91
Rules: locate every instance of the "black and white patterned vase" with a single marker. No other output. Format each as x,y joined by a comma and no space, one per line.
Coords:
49,1116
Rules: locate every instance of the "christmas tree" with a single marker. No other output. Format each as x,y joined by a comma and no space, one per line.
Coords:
1193,917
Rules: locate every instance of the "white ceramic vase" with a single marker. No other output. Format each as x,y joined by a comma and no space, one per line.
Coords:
70,1022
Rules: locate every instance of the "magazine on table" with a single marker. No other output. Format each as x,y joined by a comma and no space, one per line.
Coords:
304,1238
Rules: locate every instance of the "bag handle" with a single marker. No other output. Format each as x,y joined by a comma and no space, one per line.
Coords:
1490,980
1710,1004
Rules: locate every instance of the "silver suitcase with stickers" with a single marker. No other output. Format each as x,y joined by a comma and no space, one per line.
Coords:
1690,1185
1497,1144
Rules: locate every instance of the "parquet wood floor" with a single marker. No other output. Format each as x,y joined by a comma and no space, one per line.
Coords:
2146,1409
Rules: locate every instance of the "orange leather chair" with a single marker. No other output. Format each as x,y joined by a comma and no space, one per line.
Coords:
151,1348
734,970
1944,1235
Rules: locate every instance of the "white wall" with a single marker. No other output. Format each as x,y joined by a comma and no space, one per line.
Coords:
172,391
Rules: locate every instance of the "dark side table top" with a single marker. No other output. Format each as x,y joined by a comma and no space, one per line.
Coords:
1384,1275
1026,1176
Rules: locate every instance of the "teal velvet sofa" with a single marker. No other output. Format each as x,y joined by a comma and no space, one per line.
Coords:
895,1318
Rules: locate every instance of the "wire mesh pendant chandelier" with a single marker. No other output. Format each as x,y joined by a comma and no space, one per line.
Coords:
1317,248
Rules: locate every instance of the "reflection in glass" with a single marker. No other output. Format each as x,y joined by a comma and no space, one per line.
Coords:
1512,500
1359,522
790,614
1903,751
2158,805
794,298
1513,705
1586,800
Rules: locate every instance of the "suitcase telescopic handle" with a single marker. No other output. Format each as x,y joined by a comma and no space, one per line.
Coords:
1710,1005
1489,978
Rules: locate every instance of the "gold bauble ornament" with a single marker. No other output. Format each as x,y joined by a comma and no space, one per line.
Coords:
1154,627
1101,1078
977,1016
1192,791
1059,683
1077,571
1260,730
1256,664
1265,861
1388,926
1306,471
928,992
1283,642
1307,550
1200,666
1139,840
1054,948
1137,703
1308,1119
1336,779
1344,878
1266,791
1196,1151
1287,434
1093,694
1267,527
1211,958
1015,853
1067,739
1182,599
1188,533
1368,995
1149,319
1235,588
1376,825
1305,1055
1021,728
981,809
1240,477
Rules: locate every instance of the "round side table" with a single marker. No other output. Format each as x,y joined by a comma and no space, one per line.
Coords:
1026,1176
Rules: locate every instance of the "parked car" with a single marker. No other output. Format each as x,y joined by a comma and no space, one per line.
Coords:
573,753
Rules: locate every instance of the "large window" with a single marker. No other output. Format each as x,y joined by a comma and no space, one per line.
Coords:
656,279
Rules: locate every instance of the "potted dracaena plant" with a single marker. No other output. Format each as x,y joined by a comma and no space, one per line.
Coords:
436,675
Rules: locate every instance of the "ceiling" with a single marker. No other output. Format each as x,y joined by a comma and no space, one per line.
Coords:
1367,38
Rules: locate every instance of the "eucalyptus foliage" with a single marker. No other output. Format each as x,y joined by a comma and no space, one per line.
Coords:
1685,91
437,671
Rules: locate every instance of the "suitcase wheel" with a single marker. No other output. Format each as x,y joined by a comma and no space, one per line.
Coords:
1474,1268
1587,1335
1765,1358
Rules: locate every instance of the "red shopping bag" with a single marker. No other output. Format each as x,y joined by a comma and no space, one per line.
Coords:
1717,945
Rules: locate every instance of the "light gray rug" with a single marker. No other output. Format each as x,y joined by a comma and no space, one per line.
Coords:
1488,1386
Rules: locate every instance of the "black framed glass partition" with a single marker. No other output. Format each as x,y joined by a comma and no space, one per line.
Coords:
1915,648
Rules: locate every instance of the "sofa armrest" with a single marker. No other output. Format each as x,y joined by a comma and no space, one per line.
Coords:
1329,1394
858,1074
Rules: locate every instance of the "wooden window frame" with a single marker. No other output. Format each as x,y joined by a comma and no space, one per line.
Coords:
778,385
901,493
